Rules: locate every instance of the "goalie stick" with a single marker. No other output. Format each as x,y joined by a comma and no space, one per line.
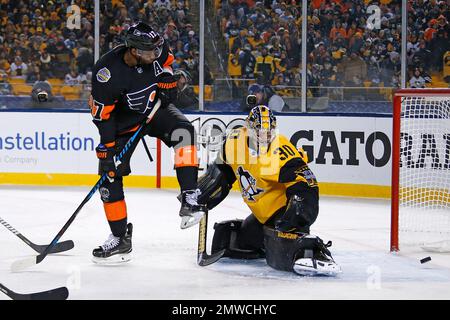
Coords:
59,247
204,259
29,262
55,294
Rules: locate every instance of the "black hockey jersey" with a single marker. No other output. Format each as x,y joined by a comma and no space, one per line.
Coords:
123,96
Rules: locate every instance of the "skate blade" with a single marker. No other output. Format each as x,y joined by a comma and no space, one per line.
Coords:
330,270
116,259
189,221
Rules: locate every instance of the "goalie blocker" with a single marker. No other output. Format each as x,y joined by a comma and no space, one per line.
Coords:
293,251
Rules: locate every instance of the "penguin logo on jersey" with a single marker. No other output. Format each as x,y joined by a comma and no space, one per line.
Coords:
248,184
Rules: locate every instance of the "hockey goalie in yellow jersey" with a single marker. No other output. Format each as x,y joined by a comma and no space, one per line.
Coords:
281,192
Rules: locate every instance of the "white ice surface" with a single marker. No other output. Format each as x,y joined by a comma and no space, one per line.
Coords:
164,256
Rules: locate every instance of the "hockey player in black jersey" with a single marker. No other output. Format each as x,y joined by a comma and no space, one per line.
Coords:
131,83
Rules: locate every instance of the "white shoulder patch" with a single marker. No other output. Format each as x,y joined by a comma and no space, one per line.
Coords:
103,75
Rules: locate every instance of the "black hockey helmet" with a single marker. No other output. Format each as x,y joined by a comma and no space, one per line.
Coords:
142,36
186,75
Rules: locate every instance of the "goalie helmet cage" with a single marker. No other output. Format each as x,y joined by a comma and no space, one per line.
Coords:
420,201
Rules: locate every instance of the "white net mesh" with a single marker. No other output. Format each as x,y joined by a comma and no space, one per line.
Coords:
424,192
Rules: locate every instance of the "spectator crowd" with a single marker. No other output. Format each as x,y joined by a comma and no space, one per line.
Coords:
346,47
38,41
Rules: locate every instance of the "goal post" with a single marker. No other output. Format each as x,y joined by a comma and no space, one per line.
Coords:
420,194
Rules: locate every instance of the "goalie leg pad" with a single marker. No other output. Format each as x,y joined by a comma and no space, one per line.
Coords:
280,248
301,253
226,237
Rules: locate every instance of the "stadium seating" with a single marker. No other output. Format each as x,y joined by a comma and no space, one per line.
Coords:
56,85
21,89
71,92
208,92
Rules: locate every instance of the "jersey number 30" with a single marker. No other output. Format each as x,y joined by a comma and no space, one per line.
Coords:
284,152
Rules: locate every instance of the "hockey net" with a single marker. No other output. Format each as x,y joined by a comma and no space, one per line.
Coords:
421,170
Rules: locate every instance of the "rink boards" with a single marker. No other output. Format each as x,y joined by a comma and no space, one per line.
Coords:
350,154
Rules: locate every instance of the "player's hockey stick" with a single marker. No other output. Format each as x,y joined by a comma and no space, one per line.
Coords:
29,262
56,294
147,150
204,259
59,247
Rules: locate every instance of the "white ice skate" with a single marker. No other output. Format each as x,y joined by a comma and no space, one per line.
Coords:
316,267
115,250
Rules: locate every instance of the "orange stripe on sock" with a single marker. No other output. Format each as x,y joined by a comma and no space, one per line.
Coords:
186,157
115,210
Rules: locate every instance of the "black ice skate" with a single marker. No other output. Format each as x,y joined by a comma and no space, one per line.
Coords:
115,249
317,262
191,212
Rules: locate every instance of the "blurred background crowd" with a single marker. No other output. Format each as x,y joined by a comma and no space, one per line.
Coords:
345,48
256,45
37,44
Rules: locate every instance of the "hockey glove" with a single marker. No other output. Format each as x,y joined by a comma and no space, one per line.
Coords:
167,88
297,217
106,163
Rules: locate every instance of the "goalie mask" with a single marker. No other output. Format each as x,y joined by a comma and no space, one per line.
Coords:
261,125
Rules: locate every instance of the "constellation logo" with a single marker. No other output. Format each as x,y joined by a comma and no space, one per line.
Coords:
74,17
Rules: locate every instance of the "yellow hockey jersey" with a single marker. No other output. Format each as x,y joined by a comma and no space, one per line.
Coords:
264,177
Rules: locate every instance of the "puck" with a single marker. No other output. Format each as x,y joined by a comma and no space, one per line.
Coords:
425,259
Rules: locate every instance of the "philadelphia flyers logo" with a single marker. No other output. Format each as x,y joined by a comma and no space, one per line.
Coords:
142,100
